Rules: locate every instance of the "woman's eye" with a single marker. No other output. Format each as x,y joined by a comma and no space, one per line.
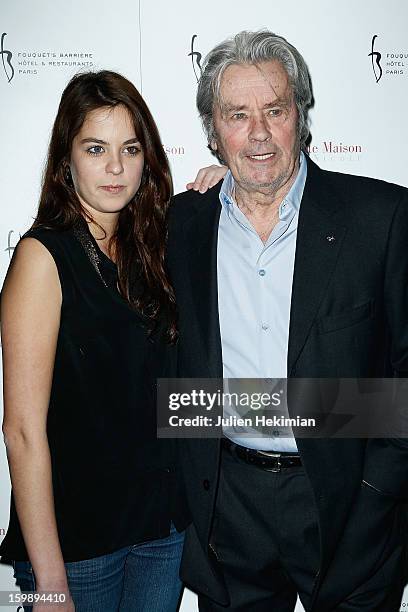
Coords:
239,116
95,150
275,112
133,150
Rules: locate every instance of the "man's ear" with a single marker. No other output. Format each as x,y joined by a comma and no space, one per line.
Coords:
213,144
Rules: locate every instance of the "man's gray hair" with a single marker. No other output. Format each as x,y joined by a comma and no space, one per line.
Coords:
253,48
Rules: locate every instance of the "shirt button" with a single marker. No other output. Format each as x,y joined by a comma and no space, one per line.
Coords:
265,326
262,272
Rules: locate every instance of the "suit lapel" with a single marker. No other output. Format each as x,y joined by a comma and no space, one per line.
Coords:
319,241
201,234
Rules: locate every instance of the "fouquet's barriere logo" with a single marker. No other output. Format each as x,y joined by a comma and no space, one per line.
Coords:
196,58
375,60
10,246
6,57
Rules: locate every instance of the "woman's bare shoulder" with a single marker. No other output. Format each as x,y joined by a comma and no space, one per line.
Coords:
32,269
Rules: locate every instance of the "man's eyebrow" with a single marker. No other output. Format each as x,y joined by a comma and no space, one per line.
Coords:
99,141
277,102
228,107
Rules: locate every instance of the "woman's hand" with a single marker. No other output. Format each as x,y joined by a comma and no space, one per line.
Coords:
67,606
207,177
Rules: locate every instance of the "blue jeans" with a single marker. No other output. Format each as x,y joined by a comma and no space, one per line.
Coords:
139,578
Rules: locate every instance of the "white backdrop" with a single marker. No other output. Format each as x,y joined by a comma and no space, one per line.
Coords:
358,123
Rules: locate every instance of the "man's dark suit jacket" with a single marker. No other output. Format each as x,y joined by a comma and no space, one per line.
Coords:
349,318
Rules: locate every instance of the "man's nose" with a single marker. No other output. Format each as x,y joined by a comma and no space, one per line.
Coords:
259,129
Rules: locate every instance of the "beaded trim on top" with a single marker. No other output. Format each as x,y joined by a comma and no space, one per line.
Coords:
81,233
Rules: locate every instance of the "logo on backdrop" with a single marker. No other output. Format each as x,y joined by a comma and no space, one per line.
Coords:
10,244
27,63
174,150
196,58
336,151
6,56
376,64
391,63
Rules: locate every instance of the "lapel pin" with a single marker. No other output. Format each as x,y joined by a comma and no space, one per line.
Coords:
330,238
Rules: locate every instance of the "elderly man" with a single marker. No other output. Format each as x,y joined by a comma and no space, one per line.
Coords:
288,271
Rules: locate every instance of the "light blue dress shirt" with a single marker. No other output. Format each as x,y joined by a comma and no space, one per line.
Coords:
254,296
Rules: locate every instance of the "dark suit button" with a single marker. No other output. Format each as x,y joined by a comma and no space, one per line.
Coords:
206,484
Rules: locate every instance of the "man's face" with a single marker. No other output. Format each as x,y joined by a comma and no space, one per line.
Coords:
256,126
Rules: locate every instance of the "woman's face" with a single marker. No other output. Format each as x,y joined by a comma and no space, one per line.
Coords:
106,160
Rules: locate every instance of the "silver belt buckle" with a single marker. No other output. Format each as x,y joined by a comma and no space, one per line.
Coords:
277,456
276,469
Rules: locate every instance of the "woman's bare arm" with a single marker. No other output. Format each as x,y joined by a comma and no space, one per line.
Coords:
30,318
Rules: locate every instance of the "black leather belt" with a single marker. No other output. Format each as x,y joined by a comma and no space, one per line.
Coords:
266,460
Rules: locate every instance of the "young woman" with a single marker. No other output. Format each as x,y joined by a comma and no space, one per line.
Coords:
88,324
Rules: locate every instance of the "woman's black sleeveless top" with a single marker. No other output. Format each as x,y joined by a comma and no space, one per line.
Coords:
113,479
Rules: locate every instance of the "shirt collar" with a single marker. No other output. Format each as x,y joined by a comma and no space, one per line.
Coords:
293,198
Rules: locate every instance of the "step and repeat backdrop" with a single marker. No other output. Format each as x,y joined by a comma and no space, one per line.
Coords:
357,54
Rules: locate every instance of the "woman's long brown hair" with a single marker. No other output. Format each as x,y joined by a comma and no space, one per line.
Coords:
140,238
